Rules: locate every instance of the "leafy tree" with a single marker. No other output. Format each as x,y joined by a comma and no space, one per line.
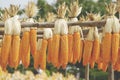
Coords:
44,8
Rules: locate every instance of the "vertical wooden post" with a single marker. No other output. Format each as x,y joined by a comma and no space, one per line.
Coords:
119,14
87,72
110,72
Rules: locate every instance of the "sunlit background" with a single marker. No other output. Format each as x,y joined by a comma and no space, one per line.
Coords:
22,3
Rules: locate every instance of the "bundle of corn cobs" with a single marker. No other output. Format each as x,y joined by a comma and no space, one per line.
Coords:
62,44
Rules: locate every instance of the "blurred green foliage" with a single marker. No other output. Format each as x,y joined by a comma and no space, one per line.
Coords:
87,6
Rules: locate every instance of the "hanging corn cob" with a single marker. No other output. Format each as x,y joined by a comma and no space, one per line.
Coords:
10,56
88,46
117,64
50,18
108,41
31,11
82,19
3,17
64,45
14,55
100,65
59,23
104,67
96,43
82,46
33,41
36,58
115,40
96,46
76,44
55,48
0,50
49,49
7,37
42,55
70,44
25,49
29,39
20,54
116,67
75,38
43,49
6,43
99,60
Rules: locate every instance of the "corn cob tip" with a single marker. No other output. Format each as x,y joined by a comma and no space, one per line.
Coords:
50,17
111,8
62,10
4,16
75,9
118,6
93,17
12,10
31,9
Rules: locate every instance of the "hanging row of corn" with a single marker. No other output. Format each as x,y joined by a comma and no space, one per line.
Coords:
62,44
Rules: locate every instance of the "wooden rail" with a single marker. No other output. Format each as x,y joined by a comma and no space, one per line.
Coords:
51,25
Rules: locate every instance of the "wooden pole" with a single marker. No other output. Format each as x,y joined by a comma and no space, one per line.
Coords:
40,32
110,72
87,72
51,25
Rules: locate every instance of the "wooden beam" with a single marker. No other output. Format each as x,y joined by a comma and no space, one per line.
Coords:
40,32
51,25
